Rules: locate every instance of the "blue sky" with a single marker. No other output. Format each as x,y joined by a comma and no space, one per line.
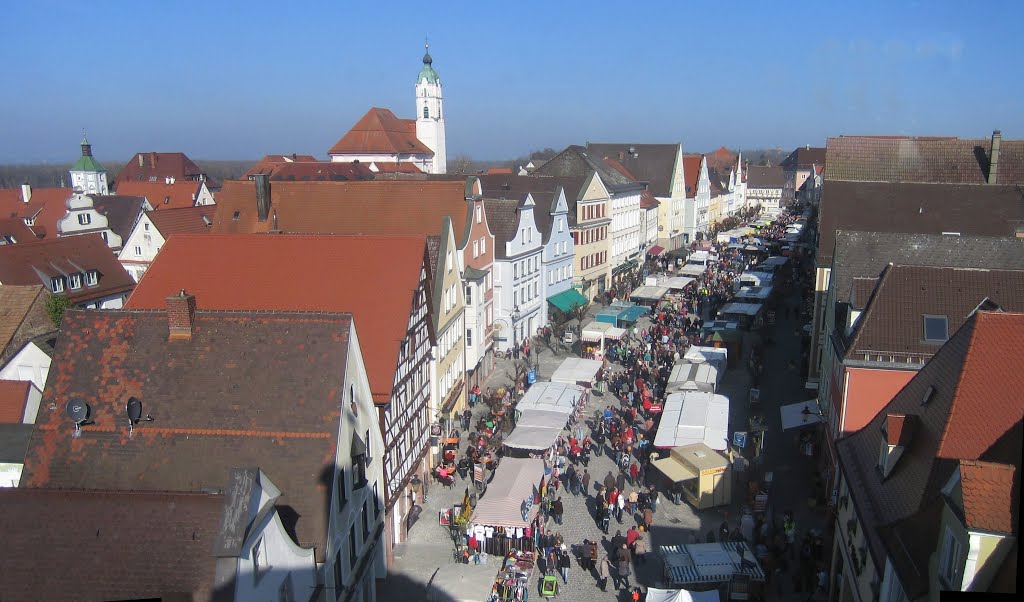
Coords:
236,80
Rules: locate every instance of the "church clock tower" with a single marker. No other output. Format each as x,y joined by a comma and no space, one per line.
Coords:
87,175
430,113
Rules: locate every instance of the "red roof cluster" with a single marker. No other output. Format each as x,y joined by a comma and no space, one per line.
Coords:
379,131
161,195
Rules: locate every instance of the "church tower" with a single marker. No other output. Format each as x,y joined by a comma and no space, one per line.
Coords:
87,175
430,113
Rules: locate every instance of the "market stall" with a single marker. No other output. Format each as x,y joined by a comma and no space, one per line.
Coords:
506,516
649,294
679,595
676,283
536,431
694,417
699,354
686,376
691,269
754,294
631,313
755,278
705,474
592,337
577,371
552,396
746,314
708,565
772,264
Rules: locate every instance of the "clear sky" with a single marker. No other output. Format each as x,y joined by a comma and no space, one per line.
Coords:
235,80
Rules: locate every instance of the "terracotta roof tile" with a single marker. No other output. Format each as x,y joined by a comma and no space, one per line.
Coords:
761,176
108,545
248,388
184,221
691,172
161,195
990,496
493,171
317,171
156,167
46,206
13,395
16,309
35,262
647,201
379,131
372,277
268,162
13,230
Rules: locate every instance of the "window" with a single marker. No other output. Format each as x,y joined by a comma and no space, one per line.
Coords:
75,281
103,235
145,226
342,490
483,245
426,112
376,502
469,295
84,219
949,562
287,591
352,547
936,329
57,284
236,214
449,261
338,590
515,270
479,214
476,248
561,225
259,558
92,278
365,519
138,251
469,338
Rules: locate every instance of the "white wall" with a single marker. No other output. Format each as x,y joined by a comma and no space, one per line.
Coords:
79,208
141,247
559,256
28,364
625,228
519,281
284,560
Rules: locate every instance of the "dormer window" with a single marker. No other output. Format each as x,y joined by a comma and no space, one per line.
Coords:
84,219
936,329
30,221
92,278
57,284
75,281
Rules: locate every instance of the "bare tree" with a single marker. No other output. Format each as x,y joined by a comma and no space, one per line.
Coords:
461,166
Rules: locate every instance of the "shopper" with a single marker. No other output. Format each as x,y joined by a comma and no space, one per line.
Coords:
603,570
564,564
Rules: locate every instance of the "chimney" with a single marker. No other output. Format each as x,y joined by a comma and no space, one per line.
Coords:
26,192
181,316
262,181
141,161
993,157
152,160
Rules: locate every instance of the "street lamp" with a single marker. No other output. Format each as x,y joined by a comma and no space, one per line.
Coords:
515,315
807,413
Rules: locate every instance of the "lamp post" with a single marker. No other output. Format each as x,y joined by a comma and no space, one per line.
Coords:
807,413
515,315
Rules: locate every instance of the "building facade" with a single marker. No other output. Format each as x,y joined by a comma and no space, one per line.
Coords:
557,258
518,265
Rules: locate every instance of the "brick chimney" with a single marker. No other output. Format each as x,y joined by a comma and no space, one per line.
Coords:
262,182
181,315
993,158
152,160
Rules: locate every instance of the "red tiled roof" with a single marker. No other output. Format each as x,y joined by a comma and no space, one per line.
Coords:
396,167
379,131
13,394
691,171
492,171
16,303
268,162
318,171
647,200
183,221
86,545
13,229
989,496
372,277
620,168
180,194
398,207
35,262
155,167
46,205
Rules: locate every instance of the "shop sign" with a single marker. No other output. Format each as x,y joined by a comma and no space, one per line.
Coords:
531,376
739,439
712,471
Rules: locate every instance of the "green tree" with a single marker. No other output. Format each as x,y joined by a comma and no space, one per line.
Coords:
56,305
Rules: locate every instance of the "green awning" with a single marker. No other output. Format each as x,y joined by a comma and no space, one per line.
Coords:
628,265
565,301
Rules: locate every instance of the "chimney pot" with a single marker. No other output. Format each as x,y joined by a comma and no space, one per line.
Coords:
181,316
26,192
152,160
141,161
262,182
993,157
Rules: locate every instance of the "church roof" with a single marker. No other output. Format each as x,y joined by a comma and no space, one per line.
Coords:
379,131
427,72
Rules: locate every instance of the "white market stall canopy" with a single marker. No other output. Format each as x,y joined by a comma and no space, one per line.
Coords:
541,418
594,331
676,282
694,417
756,278
741,309
536,429
691,270
574,370
754,292
615,333
793,415
698,354
774,261
694,377
504,503
698,257
558,397
649,293
709,563
680,595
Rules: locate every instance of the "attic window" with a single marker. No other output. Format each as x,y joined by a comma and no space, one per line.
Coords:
928,394
92,278
57,284
936,329
167,200
236,214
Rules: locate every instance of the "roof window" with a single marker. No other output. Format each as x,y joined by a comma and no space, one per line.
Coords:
936,329
235,216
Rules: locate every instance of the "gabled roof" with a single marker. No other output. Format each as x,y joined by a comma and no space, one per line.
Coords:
13,395
266,275
183,221
921,160
396,167
865,254
654,164
514,187
893,321
379,131
917,209
269,162
577,162
46,206
107,545
972,389
503,219
161,195
156,167
318,171
691,173
122,212
36,262
22,316
399,207
804,158
760,176
248,387
647,201
991,495
14,230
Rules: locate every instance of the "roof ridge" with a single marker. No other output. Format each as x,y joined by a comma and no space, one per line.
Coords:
163,430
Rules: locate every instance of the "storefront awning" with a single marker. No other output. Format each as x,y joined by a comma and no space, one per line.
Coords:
656,250
504,505
793,415
615,333
622,267
594,331
568,300
676,471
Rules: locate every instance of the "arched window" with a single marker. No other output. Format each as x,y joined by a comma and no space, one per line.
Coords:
426,112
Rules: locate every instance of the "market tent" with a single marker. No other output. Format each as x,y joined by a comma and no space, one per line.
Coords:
680,595
774,261
649,293
691,269
694,417
676,282
759,293
504,504
709,563
687,376
633,313
567,300
533,438
574,370
541,418
674,470
756,278
793,415
609,315
594,332
741,309
656,250
556,396
615,333
699,354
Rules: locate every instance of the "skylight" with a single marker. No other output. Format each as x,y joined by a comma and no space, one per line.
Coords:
936,329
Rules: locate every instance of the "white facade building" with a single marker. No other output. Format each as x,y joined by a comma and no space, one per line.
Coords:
30,363
698,202
87,175
517,270
84,217
627,239
559,252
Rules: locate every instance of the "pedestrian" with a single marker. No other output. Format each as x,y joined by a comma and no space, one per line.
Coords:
634,473
570,478
620,507
603,569
467,418
622,568
586,482
631,536
648,518
634,499
653,495
723,531
557,509
609,481
593,555
640,550
620,481
563,564
585,555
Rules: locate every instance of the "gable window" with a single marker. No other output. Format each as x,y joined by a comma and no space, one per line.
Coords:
235,215
138,251
950,561
449,258
479,214
358,462
561,225
146,226
84,219
469,338
936,329
469,295
342,490
75,281
365,516
376,502
483,246
476,249
426,112
57,284
352,547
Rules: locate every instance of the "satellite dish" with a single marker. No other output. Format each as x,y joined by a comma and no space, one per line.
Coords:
134,409
78,411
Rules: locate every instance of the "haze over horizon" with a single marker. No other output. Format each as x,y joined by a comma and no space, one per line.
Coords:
237,81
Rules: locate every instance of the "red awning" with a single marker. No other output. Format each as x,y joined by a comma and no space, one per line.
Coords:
656,250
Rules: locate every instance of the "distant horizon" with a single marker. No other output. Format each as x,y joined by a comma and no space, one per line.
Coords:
756,75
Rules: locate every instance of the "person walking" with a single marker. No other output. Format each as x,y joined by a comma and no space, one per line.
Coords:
603,570
609,481
640,550
631,536
563,564
652,493
557,509
585,555
622,568
634,499
648,518
620,507
570,478
593,555
634,473
586,482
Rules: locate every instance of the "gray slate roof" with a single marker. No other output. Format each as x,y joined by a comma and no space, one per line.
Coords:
761,176
121,212
651,163
502,218
575,161
504,186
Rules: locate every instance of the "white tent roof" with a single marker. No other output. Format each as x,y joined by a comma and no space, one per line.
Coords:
575,370
691,270
595,331
541,418
558,397
697,256
649,292
698,354
756,278
694,417
754,292
676,282
709,562
532,437
503,502
688,376
746,309
615,333
775,261
680,595
793,416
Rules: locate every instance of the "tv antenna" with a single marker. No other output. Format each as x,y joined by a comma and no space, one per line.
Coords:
134,411
80,413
